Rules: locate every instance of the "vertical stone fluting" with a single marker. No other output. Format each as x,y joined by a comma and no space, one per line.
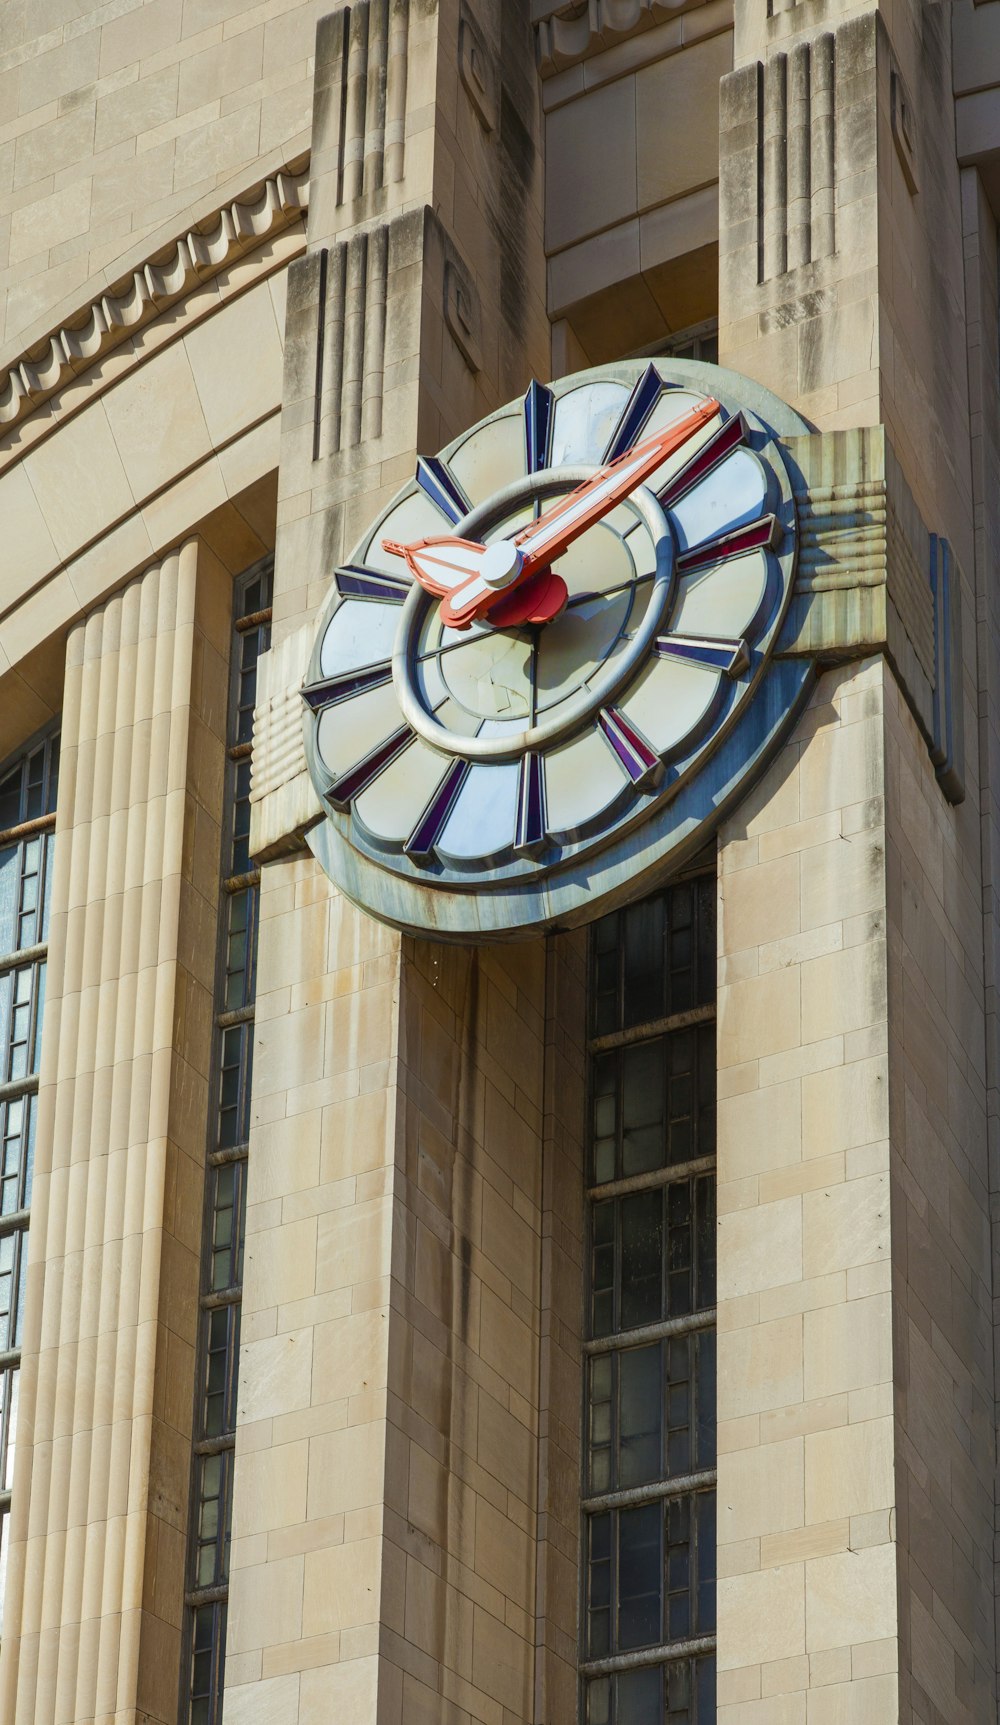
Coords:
775,132
822,166
368,95
799,164
96,1576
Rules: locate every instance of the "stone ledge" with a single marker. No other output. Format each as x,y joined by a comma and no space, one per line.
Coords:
198,255
567,34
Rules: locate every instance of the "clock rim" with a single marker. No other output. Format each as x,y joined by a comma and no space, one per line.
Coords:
445,901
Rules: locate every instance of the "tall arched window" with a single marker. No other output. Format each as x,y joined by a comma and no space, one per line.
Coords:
28,786
217,1360
648,1651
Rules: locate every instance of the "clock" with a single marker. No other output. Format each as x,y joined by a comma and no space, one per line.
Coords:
548,667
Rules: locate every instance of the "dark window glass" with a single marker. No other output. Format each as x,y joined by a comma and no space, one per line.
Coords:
651,1412
17,1152
225,1197
234,1085
650,1416
29,787
651,1574
634,1280
682,1693
655,959
221,1360
213,1517
208,1655
653,1104
13,1265
228,1223
639,1576
27,794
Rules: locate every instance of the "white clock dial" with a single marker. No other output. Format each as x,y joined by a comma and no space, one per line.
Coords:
478,778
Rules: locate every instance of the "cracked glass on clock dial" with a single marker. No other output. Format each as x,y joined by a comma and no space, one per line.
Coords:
483,779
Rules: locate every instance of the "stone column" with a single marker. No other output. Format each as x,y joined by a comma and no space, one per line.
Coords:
856,1374
96,1579
399,1344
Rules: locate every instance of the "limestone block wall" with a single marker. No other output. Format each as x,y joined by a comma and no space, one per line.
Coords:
856,1373
121,125
942,1284
980,245
96,1578
312,1433
409,1380
807,1494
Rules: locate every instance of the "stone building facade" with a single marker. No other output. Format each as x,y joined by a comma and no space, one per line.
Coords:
591,1325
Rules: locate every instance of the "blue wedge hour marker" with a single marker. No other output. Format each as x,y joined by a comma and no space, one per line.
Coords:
714,652
355,582
438,484
537,426
530,835
431,824
331,689
637,410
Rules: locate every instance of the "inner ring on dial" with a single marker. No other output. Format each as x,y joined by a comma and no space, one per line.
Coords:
602,688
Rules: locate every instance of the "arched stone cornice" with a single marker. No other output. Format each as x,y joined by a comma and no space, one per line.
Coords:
260,213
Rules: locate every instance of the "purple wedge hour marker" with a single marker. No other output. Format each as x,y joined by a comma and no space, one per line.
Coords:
331,689
359,777
431,824
442,488
725,440
715,653
639,406
759,536
357,583
642,763
530,835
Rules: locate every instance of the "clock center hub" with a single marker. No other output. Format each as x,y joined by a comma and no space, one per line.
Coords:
502,564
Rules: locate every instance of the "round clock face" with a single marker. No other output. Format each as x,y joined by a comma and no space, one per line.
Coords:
530,660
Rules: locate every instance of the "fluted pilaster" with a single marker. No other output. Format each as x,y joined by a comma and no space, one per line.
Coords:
96,1577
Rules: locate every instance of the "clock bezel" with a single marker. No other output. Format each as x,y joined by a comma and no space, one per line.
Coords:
457,901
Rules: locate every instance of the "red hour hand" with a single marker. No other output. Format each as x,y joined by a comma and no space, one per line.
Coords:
471,579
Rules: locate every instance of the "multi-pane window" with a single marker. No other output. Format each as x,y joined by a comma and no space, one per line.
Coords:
225,1188
648,1654
28,786
699,341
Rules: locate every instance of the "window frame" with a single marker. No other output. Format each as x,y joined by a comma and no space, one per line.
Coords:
223,1160
15,1225
696,1482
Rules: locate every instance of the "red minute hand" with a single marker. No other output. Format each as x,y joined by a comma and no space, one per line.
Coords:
548,537
471,578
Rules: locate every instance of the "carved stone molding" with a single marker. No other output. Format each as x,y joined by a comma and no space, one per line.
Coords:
136,299
871,575
283,800
571,32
